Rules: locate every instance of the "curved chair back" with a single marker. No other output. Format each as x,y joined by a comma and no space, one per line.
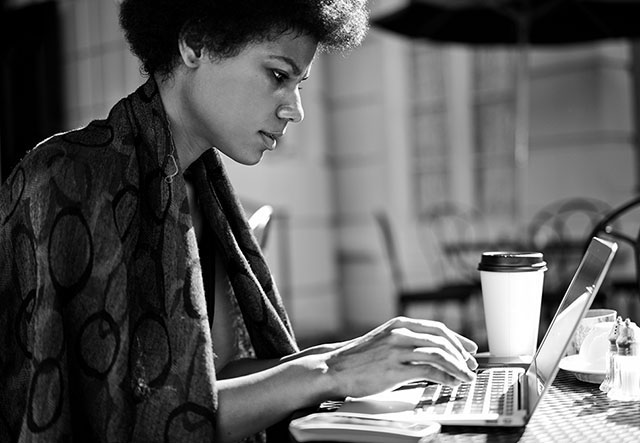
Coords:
610,226
559,230
456,231
459,292
390,249
260,221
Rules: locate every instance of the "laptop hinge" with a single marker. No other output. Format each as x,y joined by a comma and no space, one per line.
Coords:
523,391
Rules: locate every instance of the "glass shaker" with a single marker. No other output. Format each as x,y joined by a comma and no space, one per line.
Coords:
605,386
625,385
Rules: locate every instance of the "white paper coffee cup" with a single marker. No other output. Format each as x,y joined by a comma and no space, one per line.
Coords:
512,295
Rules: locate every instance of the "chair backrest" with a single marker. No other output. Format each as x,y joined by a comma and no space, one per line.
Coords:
260,221
610,226
566,219
384,225
453,229
446,225
559,230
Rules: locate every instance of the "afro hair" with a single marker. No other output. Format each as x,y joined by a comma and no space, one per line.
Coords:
224,27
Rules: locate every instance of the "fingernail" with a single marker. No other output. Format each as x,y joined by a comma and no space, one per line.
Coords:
471,361
470,375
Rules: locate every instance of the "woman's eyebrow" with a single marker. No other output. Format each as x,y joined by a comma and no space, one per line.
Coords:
288,60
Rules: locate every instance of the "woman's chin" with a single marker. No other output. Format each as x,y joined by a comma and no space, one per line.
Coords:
247,158
253,160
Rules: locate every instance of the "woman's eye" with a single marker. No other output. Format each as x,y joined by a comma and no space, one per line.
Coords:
300,84
279,76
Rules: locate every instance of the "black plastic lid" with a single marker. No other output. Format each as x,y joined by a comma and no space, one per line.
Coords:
505,261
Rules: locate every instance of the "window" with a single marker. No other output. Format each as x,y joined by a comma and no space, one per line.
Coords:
494,111
492,162
431,166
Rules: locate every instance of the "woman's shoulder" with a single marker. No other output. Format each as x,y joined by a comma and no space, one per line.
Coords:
95,149
86,165
99,138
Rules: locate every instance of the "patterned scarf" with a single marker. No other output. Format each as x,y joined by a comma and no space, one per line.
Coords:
105,327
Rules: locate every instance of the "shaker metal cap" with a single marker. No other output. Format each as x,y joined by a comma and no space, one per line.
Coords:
506,261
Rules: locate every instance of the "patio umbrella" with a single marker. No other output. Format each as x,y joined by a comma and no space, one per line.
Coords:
521,23
538,22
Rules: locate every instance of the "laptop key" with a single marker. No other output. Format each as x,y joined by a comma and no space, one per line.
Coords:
493,391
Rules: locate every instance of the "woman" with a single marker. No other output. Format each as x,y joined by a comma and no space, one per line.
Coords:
137,303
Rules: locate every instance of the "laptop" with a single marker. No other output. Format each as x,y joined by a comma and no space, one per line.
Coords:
499,396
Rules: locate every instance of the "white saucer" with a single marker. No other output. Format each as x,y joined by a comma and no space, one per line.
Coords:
583,371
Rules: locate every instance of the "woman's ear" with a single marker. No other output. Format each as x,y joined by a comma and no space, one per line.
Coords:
191,57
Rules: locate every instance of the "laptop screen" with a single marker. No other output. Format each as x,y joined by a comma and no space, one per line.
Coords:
574,305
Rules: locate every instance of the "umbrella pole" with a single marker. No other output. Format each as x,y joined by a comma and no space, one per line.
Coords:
635,106
521,150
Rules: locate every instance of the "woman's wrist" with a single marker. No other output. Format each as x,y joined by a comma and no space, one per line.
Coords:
322,380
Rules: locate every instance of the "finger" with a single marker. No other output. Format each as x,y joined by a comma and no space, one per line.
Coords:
431,373
469,345
472,349
464,346
461,371
441,361
472,363
424,340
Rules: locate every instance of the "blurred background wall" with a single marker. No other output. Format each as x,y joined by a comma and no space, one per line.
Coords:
395,126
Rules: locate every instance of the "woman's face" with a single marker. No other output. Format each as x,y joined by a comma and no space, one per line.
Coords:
242,105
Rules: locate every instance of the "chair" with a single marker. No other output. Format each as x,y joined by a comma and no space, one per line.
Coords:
260,221
458,291
610,226
559,231
456,229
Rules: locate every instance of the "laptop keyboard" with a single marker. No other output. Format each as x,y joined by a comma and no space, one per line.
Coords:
494,390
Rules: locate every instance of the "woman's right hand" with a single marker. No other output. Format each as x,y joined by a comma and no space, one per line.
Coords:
399,351
254,394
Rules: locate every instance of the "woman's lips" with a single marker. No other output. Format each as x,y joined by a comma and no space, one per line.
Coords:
270,139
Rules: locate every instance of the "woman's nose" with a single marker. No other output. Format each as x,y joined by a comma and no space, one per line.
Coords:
292,111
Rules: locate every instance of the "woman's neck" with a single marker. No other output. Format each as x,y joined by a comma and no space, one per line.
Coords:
188,148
